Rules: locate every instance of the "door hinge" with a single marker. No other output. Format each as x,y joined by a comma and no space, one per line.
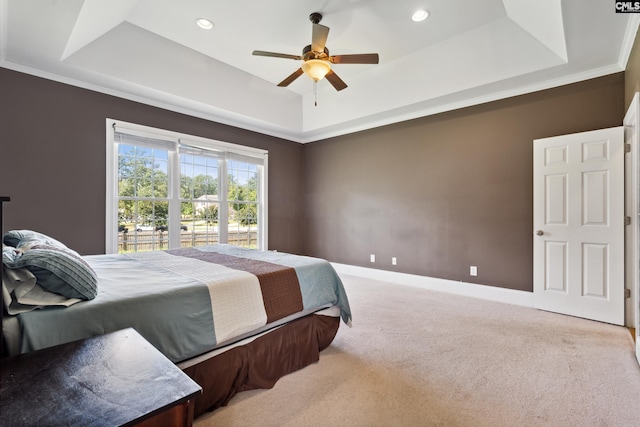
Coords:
627,220
627,293
627,148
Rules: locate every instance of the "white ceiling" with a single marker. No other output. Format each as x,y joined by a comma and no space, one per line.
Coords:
467,52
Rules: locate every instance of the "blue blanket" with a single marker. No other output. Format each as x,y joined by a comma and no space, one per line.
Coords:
183,304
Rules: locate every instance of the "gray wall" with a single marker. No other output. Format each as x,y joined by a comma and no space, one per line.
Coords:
439,193
632,73
52,160
445,192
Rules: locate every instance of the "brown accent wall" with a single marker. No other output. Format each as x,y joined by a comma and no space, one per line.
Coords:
632,73
445,192
52,160
440,193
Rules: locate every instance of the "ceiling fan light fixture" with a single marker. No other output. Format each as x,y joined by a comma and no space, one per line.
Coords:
316,69
204,23
420,15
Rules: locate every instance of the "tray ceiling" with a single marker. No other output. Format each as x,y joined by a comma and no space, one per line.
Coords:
465,53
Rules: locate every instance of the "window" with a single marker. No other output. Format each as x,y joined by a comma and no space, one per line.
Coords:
168,190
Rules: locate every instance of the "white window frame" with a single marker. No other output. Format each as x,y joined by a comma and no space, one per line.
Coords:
231,150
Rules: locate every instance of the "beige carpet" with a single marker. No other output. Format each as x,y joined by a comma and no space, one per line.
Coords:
422,358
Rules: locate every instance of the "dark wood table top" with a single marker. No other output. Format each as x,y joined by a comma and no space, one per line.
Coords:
110,380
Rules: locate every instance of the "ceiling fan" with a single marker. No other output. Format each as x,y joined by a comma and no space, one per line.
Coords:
316,59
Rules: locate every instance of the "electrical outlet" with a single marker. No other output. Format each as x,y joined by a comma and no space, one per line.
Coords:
473,270
373,258
394,261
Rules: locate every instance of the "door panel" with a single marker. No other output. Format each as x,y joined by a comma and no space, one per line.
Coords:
556,266
556,212
595,198
579,225
595,270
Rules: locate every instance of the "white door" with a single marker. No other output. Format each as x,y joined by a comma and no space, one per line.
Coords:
578,218
631,124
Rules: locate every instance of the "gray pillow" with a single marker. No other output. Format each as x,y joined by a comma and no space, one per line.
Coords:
18,238
59,270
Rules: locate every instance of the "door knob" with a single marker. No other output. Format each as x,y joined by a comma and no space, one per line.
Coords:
539,232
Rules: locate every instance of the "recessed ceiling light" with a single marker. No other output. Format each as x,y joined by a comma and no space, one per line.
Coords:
204,23
420,15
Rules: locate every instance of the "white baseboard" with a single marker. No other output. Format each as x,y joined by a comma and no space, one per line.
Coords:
492,293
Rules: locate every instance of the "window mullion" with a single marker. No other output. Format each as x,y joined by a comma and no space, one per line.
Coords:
174,200
111,225
263,204
223,209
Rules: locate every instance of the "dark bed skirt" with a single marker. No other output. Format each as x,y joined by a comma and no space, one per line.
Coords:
261,362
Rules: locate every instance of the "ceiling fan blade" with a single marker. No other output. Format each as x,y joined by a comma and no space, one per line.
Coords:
335,81
286,82
362,58
275,55
319,36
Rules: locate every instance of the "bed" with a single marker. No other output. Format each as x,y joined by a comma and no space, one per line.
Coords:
232,319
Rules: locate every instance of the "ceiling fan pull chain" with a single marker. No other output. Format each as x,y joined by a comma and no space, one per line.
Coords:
315,92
